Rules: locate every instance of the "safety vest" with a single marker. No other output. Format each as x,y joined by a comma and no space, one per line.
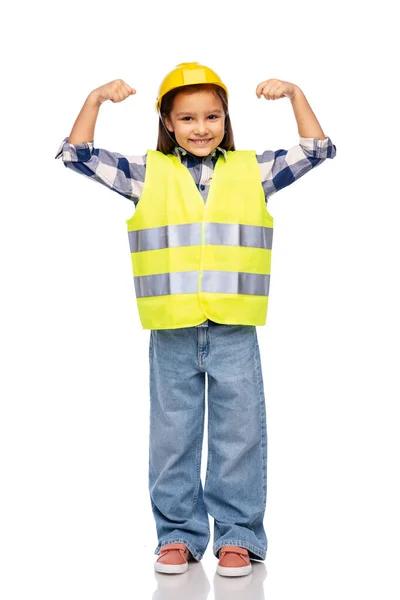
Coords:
193,260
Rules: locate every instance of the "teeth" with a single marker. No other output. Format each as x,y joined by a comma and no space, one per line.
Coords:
200,141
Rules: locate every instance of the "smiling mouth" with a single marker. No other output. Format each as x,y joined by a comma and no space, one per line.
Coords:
201,142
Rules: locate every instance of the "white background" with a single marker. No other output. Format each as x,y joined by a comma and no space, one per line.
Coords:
75,513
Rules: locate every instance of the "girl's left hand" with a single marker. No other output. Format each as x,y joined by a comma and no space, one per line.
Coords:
273,89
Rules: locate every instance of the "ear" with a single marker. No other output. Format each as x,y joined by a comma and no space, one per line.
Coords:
168,123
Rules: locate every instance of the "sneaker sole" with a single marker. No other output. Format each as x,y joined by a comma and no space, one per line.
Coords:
234,571
164,568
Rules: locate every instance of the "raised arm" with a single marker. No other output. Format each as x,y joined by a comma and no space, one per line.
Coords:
280,168
83,129
307,123
122,174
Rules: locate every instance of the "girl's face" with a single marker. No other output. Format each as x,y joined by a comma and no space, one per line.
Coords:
198,121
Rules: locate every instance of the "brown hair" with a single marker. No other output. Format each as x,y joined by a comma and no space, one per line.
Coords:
165,142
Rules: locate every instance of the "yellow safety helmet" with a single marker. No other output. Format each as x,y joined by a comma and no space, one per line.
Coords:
187,74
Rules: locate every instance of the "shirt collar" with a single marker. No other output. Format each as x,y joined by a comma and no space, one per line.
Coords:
180,152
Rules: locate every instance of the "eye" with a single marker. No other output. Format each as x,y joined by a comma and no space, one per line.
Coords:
213,117
185,118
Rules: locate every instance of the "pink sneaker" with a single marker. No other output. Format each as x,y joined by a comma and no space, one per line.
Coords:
233,561
173,558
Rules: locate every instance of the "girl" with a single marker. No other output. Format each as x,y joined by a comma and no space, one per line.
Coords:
200,241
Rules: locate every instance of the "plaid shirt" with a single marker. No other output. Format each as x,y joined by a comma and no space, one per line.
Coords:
125,174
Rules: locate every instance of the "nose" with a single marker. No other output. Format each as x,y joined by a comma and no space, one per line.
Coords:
201,128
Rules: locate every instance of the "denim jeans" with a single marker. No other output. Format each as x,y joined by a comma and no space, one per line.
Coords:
235,487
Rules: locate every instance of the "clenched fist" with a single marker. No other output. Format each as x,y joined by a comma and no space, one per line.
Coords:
273,89
116,91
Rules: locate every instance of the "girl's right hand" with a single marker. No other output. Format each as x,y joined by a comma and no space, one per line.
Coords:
116,91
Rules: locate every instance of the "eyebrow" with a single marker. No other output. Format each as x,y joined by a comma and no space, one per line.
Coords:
217,111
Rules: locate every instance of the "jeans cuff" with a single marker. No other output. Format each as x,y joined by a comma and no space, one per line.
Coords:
198,555
255,552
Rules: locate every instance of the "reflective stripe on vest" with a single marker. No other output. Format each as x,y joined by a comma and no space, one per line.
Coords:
193,261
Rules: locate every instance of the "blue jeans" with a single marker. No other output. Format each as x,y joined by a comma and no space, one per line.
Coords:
235,487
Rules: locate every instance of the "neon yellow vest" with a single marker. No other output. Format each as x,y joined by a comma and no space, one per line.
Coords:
193,260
